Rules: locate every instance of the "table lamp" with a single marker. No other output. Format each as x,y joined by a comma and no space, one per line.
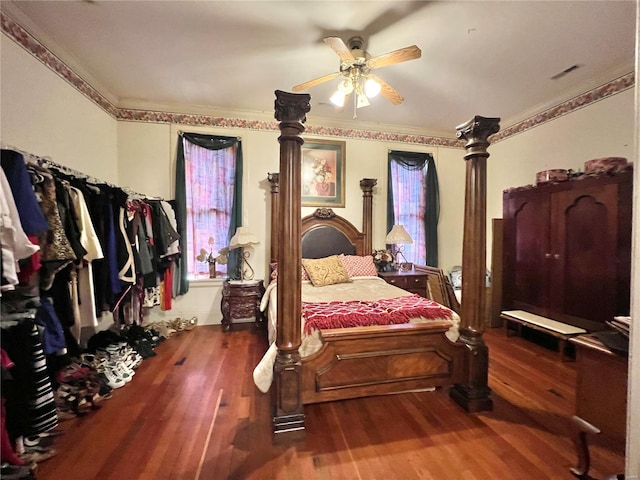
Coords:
396,237
242,239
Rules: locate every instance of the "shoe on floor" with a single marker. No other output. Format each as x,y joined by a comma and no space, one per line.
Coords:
36,457
15,472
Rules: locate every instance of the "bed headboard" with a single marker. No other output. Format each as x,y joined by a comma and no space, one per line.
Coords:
325,233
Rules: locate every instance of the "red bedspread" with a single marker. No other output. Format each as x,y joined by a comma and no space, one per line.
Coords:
323,315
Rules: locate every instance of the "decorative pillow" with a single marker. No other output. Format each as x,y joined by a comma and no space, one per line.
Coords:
326,271
357,266
274,272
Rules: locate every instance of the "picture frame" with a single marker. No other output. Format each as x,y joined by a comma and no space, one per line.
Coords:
323,167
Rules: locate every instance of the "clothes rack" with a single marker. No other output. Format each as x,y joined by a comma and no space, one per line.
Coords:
47,162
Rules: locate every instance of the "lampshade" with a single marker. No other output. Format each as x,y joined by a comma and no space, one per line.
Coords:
398,235
243,238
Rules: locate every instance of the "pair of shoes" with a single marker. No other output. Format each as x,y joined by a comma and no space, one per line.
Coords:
191,323
110,377
144,348
162,328
178,324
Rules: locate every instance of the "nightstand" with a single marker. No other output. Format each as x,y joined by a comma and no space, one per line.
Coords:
412,281
241,301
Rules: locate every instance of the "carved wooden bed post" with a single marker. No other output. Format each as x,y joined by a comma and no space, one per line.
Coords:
367,184
274,181
473,394
288,416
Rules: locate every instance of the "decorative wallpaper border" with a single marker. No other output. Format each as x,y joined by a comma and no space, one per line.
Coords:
27,41
618,85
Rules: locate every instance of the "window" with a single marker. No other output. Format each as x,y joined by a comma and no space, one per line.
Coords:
413,203
209,176
209,168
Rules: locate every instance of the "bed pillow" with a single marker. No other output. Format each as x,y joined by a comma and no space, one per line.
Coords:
357,266
274,272
326,271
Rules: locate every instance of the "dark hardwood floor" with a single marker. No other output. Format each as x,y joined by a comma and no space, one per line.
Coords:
192,412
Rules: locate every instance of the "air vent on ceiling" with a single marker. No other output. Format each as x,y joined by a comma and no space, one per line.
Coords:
565,71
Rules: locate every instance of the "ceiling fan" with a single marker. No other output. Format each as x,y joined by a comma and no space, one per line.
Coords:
355,67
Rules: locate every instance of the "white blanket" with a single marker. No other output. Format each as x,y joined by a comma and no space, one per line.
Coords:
361,288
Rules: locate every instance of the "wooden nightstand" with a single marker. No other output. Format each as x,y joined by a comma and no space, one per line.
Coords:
241,301
412,281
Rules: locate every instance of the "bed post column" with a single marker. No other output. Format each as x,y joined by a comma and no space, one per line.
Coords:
367,184
274,181
288,415
474,394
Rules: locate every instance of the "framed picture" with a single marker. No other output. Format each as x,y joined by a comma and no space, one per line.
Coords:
323,173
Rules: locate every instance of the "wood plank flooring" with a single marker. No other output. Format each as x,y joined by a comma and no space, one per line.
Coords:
192,412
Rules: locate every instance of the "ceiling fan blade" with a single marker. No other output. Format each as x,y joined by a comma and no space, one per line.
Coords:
397,56
340,48
316,81
387,91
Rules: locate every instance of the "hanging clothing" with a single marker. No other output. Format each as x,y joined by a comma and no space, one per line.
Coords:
14,243
56,251
31,216
30,403
91,243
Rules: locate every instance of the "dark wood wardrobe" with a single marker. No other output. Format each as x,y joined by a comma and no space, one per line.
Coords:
567,249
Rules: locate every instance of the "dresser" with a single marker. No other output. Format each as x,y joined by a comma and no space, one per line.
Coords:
411,281
241,301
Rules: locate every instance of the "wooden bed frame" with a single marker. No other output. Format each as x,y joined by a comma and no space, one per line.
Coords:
366,361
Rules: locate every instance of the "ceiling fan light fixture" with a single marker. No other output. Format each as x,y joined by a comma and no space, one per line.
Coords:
338,98
372,88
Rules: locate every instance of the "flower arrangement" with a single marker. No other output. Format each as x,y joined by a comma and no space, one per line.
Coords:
320,167
382,259
207,256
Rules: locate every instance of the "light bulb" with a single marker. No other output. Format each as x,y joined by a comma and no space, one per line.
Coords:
338,98
371,87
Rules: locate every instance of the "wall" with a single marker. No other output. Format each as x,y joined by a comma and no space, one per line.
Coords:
601,129
44,115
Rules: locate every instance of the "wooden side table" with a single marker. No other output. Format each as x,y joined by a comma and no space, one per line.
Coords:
412,281
241,301
601,396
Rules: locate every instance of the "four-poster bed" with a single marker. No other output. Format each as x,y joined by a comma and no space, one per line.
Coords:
379,359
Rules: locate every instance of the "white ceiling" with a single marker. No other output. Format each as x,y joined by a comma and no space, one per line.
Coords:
487,58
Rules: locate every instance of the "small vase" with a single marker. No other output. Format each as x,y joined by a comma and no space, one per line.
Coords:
212,269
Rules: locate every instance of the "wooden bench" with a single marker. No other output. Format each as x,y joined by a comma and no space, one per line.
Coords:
561,331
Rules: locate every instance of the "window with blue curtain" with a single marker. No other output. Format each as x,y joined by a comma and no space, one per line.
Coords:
208,201
413,202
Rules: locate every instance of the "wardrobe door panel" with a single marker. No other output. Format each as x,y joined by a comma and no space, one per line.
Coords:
584,240
530,228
